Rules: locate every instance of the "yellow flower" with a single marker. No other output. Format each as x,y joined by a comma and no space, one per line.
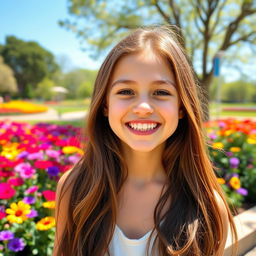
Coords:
18,212
49,204
251,141
71,150
45,223
228,132
221,181
235,182
218,145
235,149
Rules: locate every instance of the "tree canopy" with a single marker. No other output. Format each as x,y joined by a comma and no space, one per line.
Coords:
204,27
30,62
7,80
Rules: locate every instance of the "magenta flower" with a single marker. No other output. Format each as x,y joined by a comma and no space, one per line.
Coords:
31,190
16,182
27,173
6,191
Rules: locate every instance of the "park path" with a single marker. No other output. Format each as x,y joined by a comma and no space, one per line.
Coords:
50,115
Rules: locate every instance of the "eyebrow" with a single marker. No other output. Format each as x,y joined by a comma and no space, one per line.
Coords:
128,81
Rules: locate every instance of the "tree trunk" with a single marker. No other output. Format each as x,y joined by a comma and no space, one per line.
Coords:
205,97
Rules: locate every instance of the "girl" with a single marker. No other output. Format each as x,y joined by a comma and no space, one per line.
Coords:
145,185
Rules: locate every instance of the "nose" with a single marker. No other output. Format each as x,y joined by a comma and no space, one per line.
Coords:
143,108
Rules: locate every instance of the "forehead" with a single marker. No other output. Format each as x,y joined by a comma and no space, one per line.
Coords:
143,66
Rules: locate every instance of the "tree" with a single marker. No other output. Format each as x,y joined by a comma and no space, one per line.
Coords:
44,89
204,27
78,82
29,61
7,80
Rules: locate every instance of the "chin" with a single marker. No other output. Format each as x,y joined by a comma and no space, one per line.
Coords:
142,148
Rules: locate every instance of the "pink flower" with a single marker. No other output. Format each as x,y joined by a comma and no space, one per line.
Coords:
31,190
36,156
22,166
52,153
16,181
26,170
6,191
49,195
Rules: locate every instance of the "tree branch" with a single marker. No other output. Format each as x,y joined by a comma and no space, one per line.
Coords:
243,38
163,14
232,27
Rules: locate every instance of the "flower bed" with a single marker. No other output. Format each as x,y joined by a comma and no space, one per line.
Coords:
33,157
233,152
21,107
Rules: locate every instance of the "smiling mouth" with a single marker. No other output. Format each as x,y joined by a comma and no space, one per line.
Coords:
143,128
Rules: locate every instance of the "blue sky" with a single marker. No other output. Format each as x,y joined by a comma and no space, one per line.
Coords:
37,20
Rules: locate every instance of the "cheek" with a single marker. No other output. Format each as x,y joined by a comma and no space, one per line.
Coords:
117,109
170,109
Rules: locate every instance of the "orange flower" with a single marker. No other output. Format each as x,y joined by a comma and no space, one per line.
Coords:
221,181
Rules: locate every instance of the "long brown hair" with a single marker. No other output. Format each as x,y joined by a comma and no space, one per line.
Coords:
192,225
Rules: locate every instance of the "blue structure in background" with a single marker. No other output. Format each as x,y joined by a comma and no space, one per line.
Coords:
216,66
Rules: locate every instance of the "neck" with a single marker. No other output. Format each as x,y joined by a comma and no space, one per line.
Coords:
145,167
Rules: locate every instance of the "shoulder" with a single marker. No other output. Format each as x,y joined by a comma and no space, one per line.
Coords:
224,216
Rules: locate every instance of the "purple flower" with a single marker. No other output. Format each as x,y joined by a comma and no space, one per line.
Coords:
29,200
23,154
36,156
229,154
234,162
242,191
16,244
33,213
53,170
6,235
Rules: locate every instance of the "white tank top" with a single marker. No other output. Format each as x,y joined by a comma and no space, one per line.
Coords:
124,246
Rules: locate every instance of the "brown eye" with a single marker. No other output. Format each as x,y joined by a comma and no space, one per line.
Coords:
125,92
161,93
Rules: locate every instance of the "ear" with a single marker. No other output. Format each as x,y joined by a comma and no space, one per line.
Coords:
181,113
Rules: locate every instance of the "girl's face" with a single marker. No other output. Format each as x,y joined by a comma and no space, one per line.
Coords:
142,102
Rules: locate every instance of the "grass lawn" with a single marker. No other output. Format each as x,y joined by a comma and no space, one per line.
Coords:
214,107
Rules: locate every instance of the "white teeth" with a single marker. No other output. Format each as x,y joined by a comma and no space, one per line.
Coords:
142,127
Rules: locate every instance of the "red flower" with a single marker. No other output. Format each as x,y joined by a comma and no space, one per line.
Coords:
6,191
2,215
49,195
40,164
